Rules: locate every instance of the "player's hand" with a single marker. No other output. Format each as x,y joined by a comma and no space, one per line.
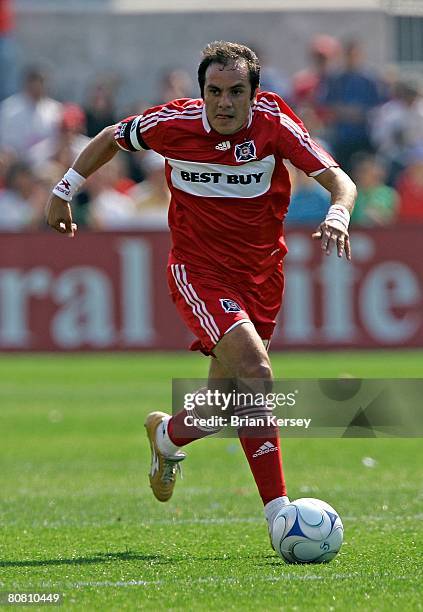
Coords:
59,216
332,236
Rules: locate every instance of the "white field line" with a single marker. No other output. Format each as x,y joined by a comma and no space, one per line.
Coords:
214,580
211,580
203,580
60,524
254,519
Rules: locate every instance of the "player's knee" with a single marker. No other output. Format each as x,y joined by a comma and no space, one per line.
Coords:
205,408
204,412
260,369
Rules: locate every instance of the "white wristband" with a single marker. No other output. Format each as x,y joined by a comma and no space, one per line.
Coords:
69,185
338,217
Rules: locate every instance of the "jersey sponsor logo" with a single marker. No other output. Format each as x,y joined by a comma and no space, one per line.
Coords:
223,181
206,177
223,146
229,305
246,151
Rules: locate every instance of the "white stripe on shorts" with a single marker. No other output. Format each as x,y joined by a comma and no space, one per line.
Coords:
197,305
204,308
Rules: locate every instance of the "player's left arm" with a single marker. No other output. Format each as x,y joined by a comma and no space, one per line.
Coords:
295,144
334,228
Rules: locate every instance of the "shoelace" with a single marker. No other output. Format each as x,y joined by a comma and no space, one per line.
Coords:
170,469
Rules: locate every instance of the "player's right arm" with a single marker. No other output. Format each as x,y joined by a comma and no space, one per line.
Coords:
128,135
98,151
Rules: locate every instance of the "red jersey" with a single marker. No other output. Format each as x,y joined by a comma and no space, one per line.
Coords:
230,193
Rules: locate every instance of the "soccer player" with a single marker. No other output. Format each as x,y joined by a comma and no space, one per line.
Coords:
230,192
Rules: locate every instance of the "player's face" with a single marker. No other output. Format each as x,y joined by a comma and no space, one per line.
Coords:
227,94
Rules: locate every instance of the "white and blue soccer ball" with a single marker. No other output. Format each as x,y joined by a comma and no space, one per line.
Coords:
307,530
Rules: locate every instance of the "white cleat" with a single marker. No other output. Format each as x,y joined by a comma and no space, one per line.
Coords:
271,510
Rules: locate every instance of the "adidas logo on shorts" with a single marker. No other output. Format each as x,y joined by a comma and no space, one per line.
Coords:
265,448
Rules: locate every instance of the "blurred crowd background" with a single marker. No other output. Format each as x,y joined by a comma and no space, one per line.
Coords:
369,117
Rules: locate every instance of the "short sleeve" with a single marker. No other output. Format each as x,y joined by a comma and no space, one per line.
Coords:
147,131
127,136
294,141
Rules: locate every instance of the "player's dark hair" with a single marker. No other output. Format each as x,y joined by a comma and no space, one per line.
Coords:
225,53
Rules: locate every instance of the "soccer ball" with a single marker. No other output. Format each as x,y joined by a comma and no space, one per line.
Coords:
307,530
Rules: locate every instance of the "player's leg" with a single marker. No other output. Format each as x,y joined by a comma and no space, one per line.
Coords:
218,317
197,306
209,316
167,434
181,431
244,357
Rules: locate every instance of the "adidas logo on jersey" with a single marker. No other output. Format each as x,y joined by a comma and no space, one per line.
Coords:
265,448
223,146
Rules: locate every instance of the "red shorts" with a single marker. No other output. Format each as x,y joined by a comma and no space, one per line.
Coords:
211,307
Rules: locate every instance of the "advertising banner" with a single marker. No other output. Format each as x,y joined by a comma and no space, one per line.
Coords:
108,291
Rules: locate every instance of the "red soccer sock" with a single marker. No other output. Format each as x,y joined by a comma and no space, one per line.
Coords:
263,453
180,433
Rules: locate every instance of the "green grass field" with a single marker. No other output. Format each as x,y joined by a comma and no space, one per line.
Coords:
77,516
